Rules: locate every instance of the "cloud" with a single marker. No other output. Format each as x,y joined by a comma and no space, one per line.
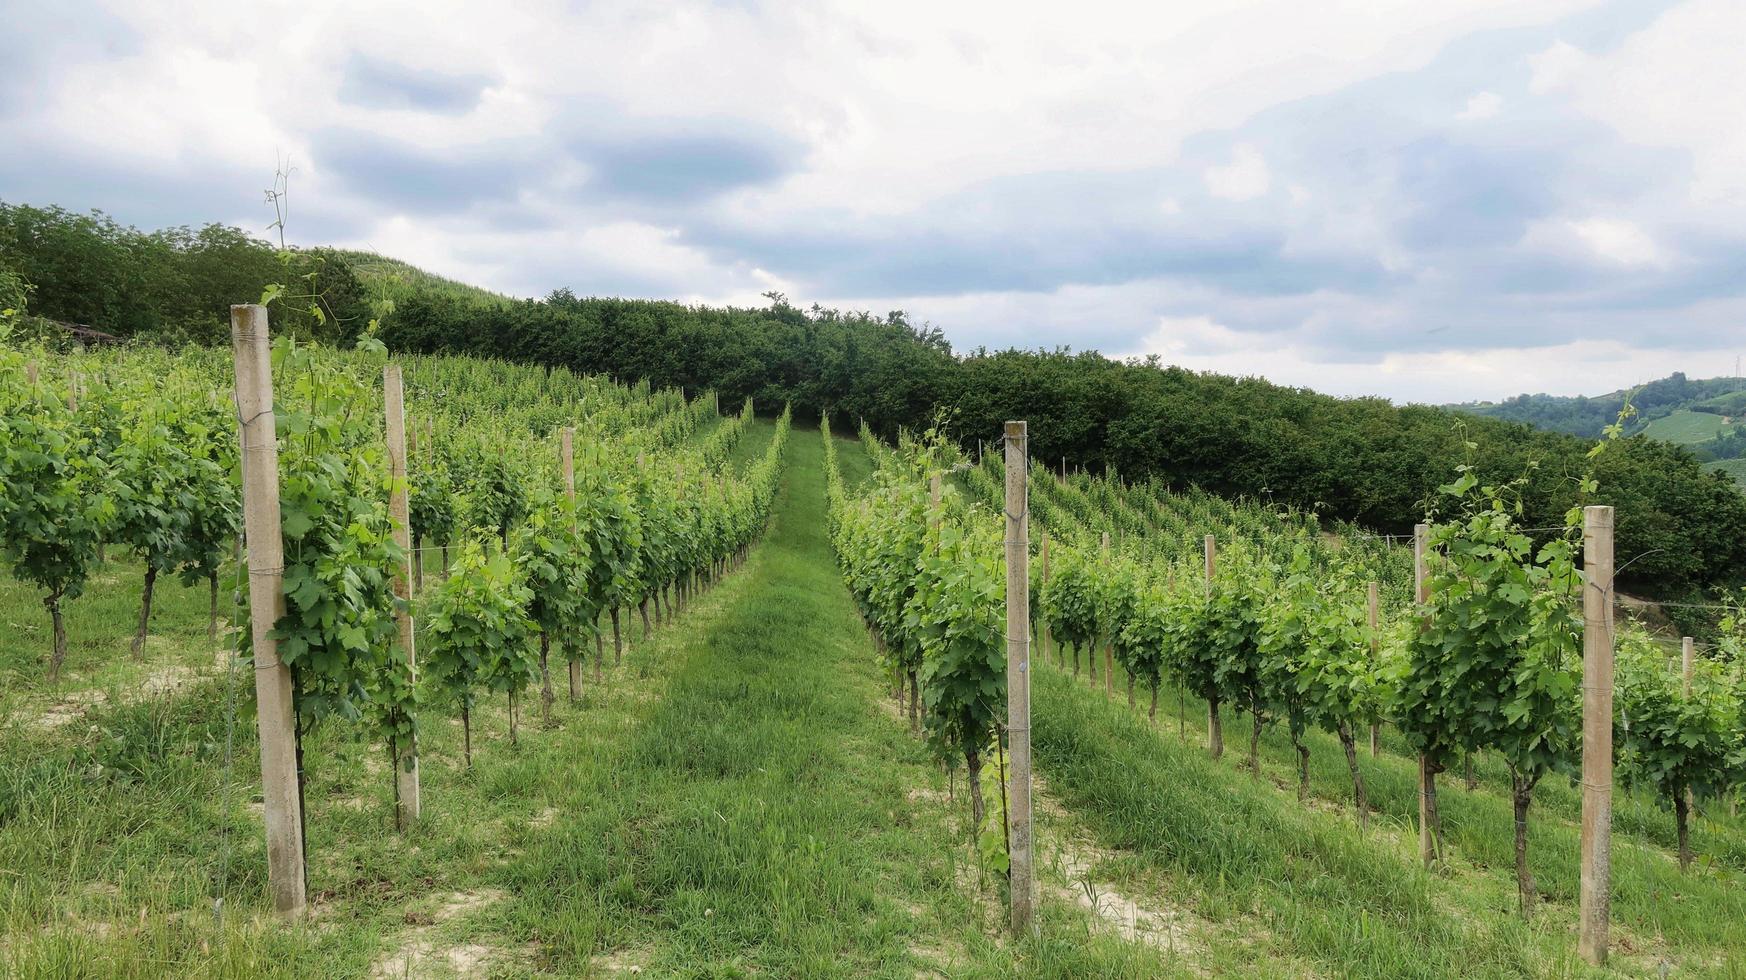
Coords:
1680,83
1314,192
379,84
683,168
405,176
1619,241
1244,178
1482,105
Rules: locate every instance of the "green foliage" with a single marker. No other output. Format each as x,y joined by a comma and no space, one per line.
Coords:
1359,460
1231,628
14,292
56,496
432,510
957,615
479,629
338,633
1073,599
176,284
553,561
1319,668
1497,666
1666,741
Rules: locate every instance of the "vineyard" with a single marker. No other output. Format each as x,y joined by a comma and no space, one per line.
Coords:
327,662
1465,645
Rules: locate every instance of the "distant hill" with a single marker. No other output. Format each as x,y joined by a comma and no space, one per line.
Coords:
403,279
1706,416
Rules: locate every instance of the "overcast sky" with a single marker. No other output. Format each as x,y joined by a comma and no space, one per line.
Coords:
1428,201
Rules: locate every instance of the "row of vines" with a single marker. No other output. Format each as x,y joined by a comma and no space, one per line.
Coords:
1293,625
550,505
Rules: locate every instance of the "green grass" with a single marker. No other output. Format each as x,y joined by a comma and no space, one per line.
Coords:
1355,902
739,799
733,801
1685,427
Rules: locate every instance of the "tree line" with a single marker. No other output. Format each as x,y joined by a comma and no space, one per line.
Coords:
1361,459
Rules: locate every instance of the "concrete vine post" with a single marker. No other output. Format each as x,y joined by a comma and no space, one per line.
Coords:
406,795
282,810
1018,678
1595,894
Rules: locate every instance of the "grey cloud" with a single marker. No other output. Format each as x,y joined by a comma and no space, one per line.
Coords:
379,84
683,168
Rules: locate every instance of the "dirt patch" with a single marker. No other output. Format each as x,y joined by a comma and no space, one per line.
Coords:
621,962
1067,870
68,708
168,679
420,953
1152,922
936,960
922,794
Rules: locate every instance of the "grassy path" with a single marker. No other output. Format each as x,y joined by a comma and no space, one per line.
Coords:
1307,883
766,815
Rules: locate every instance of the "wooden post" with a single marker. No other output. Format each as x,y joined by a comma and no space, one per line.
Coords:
1595,896
1375,647
406,796
30,373
1108,643
258,437
73,391
1018,678
1427,775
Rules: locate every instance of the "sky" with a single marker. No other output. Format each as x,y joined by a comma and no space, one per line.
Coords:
1430,202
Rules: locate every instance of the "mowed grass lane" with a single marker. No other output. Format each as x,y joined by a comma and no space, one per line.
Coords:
767,816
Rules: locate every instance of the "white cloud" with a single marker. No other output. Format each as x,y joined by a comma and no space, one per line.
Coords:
1555,67
1619,241
1679,83
1483,105
1245,178
1431,377
1608,241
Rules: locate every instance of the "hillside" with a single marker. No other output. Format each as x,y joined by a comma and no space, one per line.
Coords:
1703,416
1587,415
401,280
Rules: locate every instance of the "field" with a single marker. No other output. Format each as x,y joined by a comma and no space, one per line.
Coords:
1686,427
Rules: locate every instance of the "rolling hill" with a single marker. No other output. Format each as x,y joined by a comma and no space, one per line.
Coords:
1705,416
